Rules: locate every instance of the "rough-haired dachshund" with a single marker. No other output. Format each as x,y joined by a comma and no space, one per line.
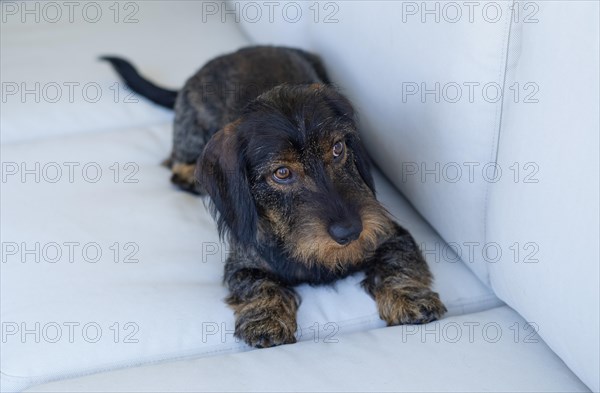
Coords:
277,150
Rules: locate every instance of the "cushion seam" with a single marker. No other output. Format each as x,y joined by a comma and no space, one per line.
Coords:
498,123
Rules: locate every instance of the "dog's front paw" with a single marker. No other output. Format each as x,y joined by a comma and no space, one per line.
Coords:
262,327
408,305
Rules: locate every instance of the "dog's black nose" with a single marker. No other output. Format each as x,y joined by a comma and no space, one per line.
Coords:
346,231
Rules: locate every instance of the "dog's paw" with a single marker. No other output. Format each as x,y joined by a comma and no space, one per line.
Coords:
264,328
408,305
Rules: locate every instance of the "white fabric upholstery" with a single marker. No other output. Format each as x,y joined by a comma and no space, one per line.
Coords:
440,357
173,296
555,219
166,43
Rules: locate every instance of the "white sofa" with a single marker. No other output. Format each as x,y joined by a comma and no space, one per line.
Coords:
111,279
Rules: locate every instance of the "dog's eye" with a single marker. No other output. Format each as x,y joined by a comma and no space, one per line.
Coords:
282,175
338,149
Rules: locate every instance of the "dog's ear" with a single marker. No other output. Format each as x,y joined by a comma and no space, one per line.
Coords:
222,174
362,161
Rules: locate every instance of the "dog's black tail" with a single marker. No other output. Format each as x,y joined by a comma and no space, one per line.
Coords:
145,88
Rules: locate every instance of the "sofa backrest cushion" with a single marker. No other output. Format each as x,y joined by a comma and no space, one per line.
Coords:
427,98
549,215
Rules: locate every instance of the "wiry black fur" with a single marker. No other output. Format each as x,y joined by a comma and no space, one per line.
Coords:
240,118
282,117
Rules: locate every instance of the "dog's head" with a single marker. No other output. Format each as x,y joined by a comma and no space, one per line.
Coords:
292,168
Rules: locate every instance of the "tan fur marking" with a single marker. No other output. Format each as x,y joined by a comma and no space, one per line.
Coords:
408,303
312,244
185,172
268,319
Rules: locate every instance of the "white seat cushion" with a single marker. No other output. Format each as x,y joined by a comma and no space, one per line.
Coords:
488,351
70,90
158,307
